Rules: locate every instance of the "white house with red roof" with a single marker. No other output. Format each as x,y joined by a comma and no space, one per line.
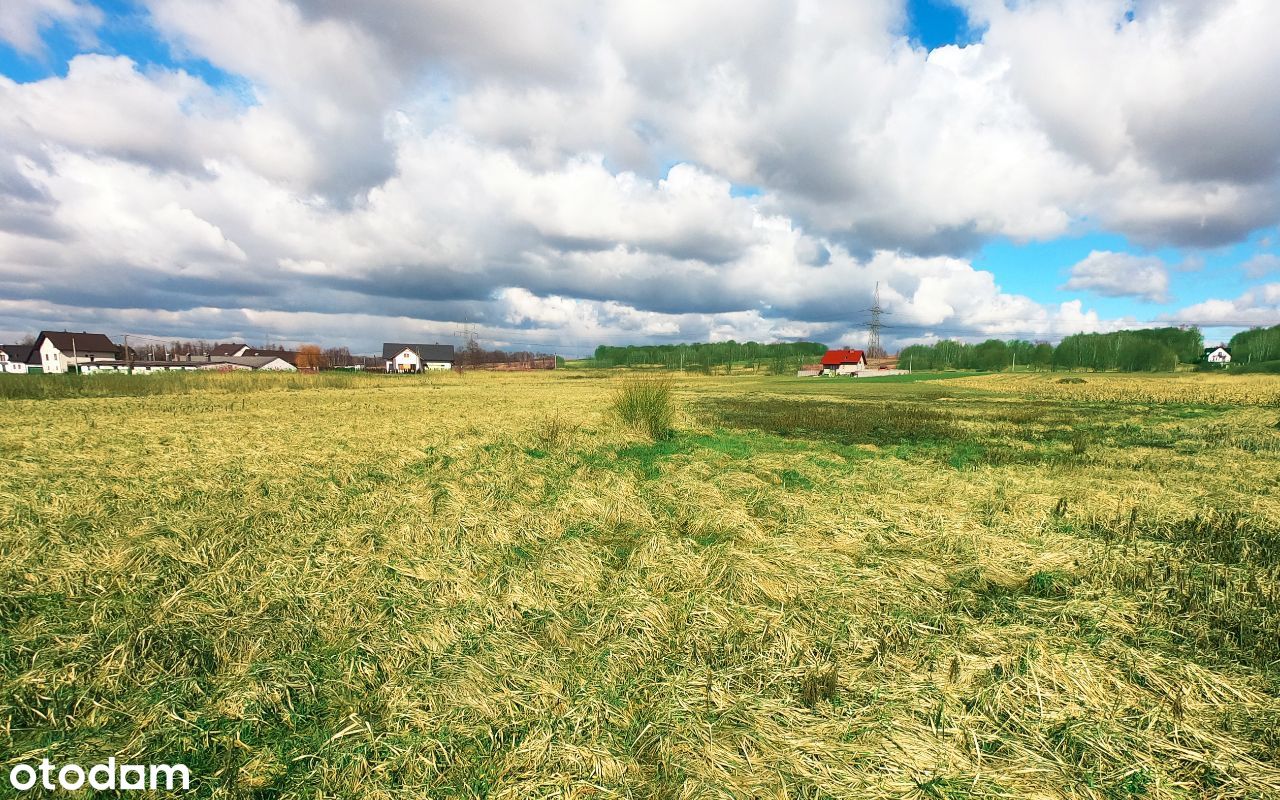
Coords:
843,362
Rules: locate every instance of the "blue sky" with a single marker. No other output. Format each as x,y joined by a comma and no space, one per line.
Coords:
935,23
126,30
608,175
1038,269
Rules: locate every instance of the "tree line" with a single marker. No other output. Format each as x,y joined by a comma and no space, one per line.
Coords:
710,356
1142,350
473,355
1256,346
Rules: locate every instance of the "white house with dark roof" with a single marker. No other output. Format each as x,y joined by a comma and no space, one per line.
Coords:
267,363
65,351
1217,355
236,350
401,357
13,359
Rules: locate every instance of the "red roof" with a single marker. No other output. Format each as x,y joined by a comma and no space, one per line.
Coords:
835,358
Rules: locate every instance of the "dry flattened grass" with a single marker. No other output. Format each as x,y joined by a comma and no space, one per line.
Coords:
1212,389
489,589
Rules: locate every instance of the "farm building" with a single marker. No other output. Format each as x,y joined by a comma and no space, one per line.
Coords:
402,357
843,362
268,363
237,350
226,363
1217,355
66,351
13,359
139,366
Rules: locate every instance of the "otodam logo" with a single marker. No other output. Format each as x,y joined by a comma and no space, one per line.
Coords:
100,777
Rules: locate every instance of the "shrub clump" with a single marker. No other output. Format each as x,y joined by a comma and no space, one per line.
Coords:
646,405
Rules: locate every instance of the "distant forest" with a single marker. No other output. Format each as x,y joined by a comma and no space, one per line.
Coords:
1141,350
708,356
1256,347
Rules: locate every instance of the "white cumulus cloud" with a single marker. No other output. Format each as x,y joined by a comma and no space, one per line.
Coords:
562,171
1121,275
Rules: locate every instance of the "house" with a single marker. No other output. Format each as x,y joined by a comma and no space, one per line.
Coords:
288,356
228,349
843,362
13,359
233,349
1217,355
65,351
402,357
268,363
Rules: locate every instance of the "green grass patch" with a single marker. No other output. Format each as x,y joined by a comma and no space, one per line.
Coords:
646,405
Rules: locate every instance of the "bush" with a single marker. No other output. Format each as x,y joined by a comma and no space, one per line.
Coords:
645,404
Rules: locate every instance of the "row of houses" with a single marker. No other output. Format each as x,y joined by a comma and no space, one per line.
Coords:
58,352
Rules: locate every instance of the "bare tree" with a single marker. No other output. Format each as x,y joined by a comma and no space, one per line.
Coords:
338,357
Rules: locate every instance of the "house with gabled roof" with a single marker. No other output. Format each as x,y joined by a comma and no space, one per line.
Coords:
228,349
402,357
843,362
14,357
65,351
234,349
1218,355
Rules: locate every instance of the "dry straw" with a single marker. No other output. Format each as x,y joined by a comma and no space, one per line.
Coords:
490,586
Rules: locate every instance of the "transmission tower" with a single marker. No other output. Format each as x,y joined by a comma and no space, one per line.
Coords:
467,334
874,350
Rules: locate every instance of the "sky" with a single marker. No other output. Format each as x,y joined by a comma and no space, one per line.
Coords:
565,174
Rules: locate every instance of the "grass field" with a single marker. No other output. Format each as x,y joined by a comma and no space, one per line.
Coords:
1002,586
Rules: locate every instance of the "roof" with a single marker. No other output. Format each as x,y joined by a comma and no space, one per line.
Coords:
1221,347
426,352
256,362
227,349
835,358
82,342
18,353
147,362
287,355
